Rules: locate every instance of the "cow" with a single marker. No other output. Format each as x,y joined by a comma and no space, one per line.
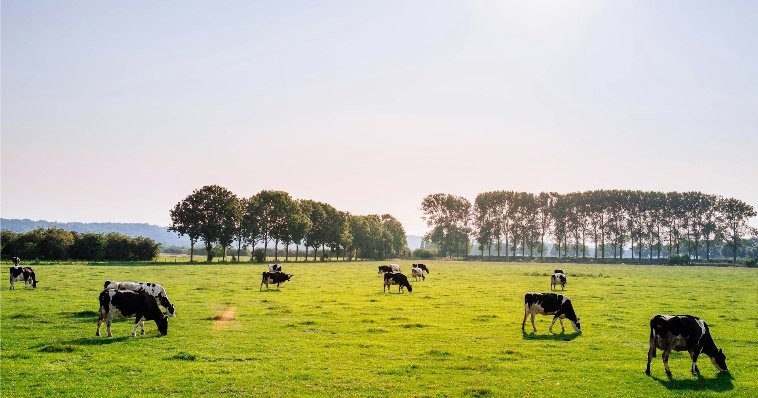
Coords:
384,269
25,274
417,273
550,304
125,303
274,268
274,277
558,278
422,266
153,289
395,267
400,280
16,261
683,333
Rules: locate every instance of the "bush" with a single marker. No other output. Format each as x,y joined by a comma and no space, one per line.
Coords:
681,259
751,262
423,254
259,255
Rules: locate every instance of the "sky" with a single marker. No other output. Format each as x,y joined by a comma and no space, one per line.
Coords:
115,111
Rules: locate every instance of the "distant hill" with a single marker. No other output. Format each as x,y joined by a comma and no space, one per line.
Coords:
155,232
414,241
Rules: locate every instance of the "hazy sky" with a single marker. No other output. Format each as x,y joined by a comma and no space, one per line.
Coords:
116,110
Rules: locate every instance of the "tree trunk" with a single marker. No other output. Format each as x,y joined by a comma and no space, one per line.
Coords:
707,249
286,252
209,251
276,250
297,251
192,250
306,252
239,248
265,247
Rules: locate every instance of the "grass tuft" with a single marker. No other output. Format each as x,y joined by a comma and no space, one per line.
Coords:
57,348
184,356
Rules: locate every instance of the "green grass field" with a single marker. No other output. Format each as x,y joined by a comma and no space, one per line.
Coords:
332,332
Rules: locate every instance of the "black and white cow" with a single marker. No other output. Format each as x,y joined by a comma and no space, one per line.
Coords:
417,273
125,303
25,274
395,267
422,266
400,280
683,333
153,289
274,277
384,269
550,304
558,278
274,268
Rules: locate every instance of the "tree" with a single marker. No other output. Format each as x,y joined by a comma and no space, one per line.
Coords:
734,217
186,219
209,212
315,236
449,217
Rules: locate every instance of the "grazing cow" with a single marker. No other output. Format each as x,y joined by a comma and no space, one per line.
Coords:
125,303
384,268
25,274
417,273
274,268
400,280
274,277
550,304
395,267
683,333
422,266
153,289
558,278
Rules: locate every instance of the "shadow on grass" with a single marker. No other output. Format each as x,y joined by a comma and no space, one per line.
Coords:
722,382
98,340
553,337
81,315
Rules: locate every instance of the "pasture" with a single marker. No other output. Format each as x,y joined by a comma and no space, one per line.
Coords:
331,331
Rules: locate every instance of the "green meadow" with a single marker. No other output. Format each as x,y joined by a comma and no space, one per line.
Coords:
332,332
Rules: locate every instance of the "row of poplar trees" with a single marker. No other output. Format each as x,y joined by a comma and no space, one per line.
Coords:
644,222
216,216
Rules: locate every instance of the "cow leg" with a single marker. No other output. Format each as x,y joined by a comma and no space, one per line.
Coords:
650,355
526,312
533,327
695,371
562,328
665,357
142,326
555,318
108,321
137,320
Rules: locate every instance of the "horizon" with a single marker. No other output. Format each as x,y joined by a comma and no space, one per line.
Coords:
114,112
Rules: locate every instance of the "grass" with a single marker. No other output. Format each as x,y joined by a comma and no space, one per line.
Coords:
332,332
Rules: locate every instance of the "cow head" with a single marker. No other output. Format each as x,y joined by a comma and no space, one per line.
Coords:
410,288
162,323
577,325
719,361
167,305
289,276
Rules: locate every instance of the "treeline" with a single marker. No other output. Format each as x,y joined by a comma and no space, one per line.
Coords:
217,217
59,244
648,224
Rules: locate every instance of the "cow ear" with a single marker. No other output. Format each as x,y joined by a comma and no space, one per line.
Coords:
720,351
